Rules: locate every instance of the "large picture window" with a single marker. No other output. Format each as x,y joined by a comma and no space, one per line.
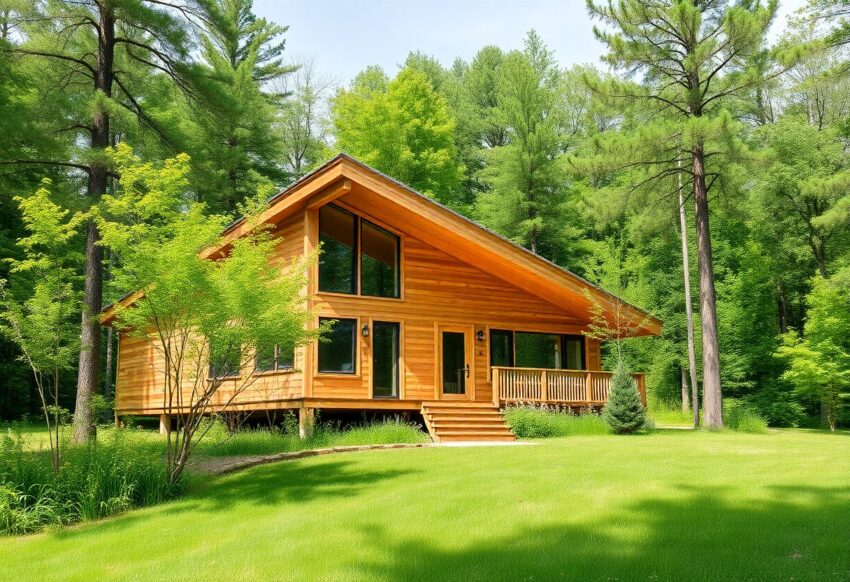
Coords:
526,349
537,350
338,351
338,259
379,272
349,242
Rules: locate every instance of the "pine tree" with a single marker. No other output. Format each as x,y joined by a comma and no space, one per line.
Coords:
692,57
624,412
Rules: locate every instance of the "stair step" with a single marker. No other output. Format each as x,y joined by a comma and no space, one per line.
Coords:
452,421
467,439
457,404
453,424
463,418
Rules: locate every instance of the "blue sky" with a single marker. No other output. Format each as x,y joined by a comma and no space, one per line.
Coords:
343,37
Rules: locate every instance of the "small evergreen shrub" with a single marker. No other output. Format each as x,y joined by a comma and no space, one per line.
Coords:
743,417
624,412
541,421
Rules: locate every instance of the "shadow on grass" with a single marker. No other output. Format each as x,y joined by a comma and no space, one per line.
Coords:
798,533
267,485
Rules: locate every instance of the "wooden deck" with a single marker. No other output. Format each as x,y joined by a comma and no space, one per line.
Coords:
575,388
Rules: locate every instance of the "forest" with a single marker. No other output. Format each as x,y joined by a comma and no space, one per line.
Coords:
702,167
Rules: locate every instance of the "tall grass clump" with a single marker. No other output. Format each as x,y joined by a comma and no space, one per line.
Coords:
219,442
542,421
93,481
743,417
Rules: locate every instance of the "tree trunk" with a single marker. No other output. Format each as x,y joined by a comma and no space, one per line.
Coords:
783,307
711,390
689,308
685,396
107,381
88,375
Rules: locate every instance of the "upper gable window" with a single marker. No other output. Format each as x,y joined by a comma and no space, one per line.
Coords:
379,272
357,256
338,260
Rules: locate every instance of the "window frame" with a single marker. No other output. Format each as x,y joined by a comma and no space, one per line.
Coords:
235,375
359,216
399,358
355,349
562,346
397,282
355,255
277,368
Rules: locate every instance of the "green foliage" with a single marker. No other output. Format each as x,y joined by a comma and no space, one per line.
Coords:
94,481
532,422
402,127
219,442
742,416
206,318
624,412
819,363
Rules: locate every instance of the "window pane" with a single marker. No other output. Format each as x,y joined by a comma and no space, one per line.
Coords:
379,272
336,353
337,235
385,340
501,347
574,352
454,363
285,357
538,350
225,361
265,359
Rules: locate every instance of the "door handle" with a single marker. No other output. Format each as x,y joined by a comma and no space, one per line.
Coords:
467,370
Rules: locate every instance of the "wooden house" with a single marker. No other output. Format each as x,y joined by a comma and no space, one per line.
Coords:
433,312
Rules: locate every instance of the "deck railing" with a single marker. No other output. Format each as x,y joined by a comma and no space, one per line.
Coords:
572,387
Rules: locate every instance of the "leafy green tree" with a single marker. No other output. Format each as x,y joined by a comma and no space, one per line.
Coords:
97,58
624,412
401,127
205,318
38,309
692,57
819,363
303,121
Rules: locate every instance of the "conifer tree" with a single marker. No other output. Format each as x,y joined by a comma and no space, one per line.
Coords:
691,57
624,412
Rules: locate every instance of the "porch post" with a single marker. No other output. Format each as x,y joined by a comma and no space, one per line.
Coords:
544,387
589,387
497,374
306,422
164,424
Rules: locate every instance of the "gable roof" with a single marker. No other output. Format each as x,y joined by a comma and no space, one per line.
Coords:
444,229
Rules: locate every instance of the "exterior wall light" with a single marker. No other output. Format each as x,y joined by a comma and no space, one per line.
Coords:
479,335
365,331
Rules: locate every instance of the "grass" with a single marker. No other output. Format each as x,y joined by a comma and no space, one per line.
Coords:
218,443
671,505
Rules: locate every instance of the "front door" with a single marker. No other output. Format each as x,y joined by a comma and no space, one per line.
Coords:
455,374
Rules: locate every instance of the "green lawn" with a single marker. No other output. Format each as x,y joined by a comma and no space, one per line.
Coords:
673,505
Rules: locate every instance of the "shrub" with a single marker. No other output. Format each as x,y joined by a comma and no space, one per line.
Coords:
541,421
94,481
624,412
742,416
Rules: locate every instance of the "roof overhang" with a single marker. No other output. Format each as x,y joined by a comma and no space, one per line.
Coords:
441,227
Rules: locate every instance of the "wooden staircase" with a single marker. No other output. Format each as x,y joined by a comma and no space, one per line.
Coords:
449,421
